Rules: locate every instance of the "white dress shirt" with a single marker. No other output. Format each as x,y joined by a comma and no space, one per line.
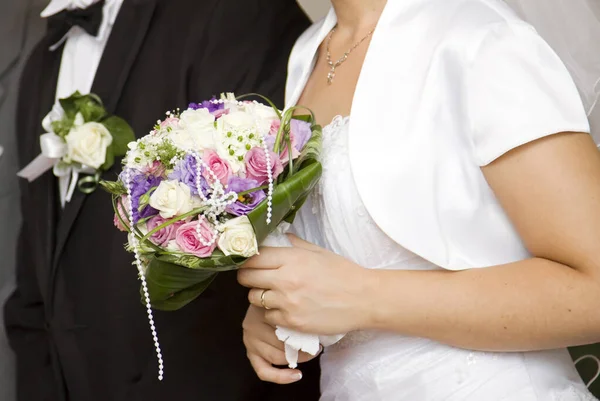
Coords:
82,52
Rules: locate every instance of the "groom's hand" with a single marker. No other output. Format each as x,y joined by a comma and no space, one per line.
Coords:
265,350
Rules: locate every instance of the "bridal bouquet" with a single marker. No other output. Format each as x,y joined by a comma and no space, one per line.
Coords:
205,187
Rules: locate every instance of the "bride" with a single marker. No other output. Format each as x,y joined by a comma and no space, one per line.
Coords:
454,234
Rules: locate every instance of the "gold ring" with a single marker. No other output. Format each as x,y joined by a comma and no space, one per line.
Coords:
262,300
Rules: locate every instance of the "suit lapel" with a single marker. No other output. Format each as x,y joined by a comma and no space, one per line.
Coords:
120,53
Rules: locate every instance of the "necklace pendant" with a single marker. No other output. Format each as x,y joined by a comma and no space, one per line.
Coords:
330,76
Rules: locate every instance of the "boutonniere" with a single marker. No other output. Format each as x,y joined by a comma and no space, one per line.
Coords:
81,139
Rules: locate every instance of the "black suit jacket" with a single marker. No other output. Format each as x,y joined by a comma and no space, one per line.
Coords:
75,321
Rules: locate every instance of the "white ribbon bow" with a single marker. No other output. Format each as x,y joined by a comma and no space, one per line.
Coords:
54,149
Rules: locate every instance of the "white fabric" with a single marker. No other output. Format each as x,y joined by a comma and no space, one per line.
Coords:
446,86
572,28
368,366
82,52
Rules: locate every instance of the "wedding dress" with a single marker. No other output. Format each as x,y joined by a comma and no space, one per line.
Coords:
376,366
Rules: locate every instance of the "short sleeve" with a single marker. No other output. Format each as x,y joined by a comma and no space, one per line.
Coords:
518,91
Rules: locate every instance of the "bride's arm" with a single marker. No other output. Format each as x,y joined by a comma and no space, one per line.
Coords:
550,189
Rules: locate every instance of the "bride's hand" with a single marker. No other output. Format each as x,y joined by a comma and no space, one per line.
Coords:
307,288
265,350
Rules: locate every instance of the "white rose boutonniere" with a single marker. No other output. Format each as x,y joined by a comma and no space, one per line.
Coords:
238,238
81,138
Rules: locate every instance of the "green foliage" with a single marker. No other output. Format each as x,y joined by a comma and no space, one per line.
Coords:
121,132
167,151
114,187
89,106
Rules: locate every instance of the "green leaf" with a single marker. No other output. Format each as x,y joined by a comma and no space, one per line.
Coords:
287,197
113,187
91,108
121,132
69,105
312,149
110,159
172,286
304,117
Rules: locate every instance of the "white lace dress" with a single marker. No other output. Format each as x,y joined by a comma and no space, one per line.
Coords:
374,366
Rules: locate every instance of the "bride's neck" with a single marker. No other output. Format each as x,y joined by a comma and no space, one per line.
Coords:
357,15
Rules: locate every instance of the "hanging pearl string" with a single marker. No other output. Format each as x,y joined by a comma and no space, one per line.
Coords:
269,172
140,266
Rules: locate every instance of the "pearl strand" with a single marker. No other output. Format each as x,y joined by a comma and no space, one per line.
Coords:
139,265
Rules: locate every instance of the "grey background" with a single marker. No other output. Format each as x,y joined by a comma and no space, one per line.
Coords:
20,29
315,8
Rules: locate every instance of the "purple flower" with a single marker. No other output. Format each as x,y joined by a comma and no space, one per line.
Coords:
211,105
185,172
246,203
140,185
301,132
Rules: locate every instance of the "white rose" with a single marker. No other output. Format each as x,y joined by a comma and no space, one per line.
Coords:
238,238
181,139
197,139
173,247
261,111
264,116
196,119
237,122
200,127
87,143
172,198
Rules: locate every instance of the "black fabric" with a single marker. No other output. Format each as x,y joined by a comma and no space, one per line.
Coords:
75,321
89,19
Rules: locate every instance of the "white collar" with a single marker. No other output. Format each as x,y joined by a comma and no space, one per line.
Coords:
110,12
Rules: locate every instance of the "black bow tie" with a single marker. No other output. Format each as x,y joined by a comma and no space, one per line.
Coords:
88,19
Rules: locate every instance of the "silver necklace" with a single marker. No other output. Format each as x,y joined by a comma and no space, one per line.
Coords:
333,65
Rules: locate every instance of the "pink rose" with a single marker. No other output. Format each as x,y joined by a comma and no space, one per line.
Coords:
165,234
188,241
284,152
123,213
156,169
218,166
256,165
171,122
220,113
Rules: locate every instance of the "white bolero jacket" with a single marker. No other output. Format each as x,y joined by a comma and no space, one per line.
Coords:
447,86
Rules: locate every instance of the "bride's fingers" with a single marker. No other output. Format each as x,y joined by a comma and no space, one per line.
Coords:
269,353
268,373
266,299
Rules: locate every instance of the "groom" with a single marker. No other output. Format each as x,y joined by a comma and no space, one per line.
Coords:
75,321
